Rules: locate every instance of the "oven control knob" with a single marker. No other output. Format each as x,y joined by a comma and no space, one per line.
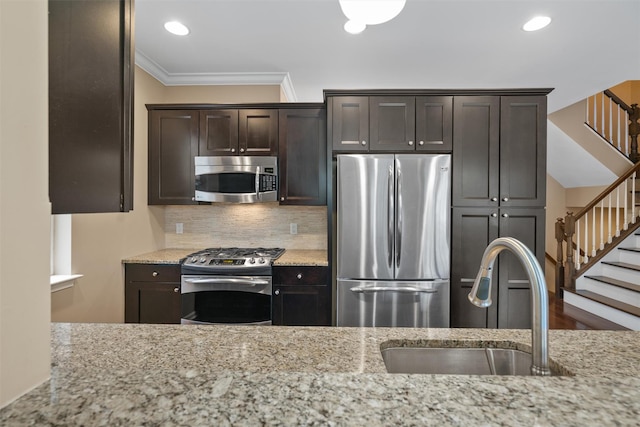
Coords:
203,259
252,260
194,259
261,260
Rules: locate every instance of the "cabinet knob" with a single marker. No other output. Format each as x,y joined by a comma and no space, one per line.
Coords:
494,215
410,143
276,292
299,276
233,150
505,199
505,215
282,199
242,150
494,199
364,142
176,290
154,274
421,143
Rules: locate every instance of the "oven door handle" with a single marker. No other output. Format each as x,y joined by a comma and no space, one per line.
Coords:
228,280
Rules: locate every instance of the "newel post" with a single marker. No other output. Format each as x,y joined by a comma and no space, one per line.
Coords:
559,257
570,266
634,130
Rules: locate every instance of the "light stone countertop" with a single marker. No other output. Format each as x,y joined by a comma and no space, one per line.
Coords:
175,256
132,374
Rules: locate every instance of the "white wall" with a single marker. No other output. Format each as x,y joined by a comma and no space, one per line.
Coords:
24,201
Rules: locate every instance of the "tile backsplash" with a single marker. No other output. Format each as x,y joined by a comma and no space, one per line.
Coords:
248,225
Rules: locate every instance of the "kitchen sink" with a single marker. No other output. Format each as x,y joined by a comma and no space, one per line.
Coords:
457,361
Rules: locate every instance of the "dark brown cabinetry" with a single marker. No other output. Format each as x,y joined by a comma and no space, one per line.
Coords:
392,123
301,296
498,190
152,293
302,153
173,144
90,105
232,132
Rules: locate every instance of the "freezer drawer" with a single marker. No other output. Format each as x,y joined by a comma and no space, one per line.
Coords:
423,304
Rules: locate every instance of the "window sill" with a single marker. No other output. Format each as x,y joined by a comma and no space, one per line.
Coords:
63,281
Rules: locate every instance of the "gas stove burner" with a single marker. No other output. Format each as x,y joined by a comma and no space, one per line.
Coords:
232,259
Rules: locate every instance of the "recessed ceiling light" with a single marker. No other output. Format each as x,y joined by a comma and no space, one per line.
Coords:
354,27
175,27
536,23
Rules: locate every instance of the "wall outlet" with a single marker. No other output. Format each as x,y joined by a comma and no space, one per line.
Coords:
179,228
293,228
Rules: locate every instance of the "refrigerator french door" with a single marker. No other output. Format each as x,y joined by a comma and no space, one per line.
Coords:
393,234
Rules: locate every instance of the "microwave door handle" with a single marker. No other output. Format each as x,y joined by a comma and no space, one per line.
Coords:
258,182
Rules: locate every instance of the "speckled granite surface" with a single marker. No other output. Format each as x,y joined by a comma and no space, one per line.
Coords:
215,375
303,257
174,256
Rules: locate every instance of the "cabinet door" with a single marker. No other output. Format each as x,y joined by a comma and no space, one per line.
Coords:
392,123
350,123
302,154
152,293
476,139
218,133
434,123
472,230
514,299
258,133
91,76
301,296
523,150
173,144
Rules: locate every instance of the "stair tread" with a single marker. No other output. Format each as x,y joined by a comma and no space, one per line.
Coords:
616,282
627,308
623,265
630,249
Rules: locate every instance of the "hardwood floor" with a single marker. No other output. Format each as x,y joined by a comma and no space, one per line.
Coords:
563,316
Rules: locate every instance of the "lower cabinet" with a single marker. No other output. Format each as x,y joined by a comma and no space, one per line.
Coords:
301,296
152,293
472,230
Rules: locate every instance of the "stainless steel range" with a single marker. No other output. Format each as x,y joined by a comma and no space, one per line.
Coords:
228,286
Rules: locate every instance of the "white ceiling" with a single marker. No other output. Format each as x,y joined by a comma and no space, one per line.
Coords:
589,46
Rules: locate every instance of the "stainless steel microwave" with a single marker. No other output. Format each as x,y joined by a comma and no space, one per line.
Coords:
236,179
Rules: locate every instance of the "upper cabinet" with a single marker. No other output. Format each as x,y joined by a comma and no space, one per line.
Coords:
238,132
178,133
392,123
90,105
303,155
499,151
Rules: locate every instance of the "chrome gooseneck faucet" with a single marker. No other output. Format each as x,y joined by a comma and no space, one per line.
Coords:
480,296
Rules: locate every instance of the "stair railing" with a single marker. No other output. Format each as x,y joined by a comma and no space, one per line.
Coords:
615,121
584,238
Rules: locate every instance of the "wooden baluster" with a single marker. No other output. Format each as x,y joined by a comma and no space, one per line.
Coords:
609,237
626,198
634,130
611,121
602,225
578,257
633,197
617,211
586,238
593,232
570,264
560,236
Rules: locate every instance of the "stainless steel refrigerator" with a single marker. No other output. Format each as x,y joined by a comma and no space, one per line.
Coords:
393,234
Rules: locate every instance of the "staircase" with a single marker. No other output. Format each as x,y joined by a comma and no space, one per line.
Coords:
601,243
611,288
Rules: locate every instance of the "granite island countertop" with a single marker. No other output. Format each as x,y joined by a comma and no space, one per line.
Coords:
291,257
132,374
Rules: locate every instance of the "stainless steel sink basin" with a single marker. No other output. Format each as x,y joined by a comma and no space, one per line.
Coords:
457,361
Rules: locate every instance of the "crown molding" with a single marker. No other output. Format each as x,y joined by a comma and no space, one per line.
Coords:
200,79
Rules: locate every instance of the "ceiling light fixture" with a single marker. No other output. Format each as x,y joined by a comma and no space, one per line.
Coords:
177,28
536,23
369,12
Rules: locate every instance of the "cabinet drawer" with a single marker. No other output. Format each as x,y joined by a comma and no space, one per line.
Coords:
301,275
152,273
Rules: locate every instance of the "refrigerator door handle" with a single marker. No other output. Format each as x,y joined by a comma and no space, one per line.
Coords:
402,289
399,217
390,211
